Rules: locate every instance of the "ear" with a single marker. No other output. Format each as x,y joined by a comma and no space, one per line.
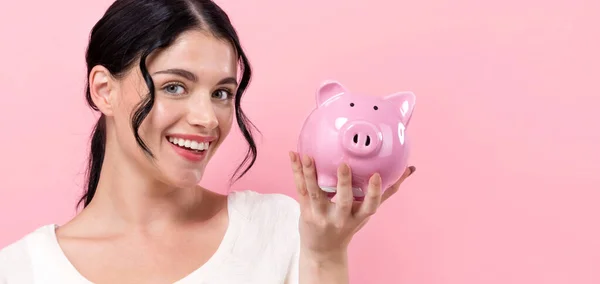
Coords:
101,86
328,90
405,104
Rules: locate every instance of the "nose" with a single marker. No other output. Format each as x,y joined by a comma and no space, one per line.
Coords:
361,138
202,114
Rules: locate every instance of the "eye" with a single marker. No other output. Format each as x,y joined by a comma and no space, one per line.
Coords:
351,104
174,89
222,94
375,108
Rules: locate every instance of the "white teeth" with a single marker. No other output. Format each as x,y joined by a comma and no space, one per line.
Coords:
190,144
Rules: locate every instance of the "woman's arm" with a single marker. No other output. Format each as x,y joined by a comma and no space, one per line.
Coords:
330,270
326,227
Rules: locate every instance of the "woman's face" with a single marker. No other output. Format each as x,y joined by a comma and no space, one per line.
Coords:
195,82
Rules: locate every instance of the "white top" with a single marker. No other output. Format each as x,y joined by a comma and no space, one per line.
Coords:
261,245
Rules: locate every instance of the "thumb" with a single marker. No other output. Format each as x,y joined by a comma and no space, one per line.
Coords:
394,188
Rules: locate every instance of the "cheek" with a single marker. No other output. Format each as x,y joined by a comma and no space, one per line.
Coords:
126,103
161,116
225,117
164,113
123,110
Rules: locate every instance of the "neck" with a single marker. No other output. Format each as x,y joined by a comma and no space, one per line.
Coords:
129,197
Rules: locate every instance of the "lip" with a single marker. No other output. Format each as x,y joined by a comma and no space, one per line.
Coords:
187,154
193,137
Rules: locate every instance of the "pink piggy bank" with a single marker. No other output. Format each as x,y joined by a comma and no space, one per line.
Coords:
367,133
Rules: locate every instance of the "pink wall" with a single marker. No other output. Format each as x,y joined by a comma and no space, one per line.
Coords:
506,144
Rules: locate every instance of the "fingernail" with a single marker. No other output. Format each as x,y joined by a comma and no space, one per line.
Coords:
412,170
292,157
377,179
344,169
306,161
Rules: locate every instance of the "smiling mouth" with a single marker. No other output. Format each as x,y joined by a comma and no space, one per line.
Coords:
190,145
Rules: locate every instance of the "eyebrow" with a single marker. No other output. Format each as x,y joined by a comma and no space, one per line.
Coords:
190,76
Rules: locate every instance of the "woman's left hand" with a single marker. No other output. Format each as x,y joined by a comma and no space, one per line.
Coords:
326,227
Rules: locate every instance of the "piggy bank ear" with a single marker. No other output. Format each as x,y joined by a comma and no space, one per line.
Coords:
328,90
404,103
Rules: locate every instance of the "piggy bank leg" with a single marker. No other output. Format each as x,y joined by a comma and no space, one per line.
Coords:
328,184
358,193
330,191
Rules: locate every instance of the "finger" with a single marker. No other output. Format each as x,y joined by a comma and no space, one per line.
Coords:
372,199
394,188
298,176
316,195
345,198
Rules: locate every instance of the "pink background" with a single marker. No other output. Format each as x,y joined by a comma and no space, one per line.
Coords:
506,143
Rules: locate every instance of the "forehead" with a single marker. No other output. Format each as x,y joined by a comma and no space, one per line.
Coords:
199,52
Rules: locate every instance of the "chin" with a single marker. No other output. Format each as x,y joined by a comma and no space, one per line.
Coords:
180,172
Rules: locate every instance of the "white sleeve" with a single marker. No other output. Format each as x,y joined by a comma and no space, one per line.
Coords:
4,259
293,276
15,265
277,215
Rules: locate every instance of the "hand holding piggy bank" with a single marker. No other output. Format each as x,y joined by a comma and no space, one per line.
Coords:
365,132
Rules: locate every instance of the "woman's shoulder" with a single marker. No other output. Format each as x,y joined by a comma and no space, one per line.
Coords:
253,198
16,264
269,223
253,204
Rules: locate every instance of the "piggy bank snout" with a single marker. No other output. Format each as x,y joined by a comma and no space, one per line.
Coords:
360,138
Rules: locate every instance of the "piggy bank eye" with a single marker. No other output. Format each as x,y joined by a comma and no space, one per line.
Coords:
375,108
352,104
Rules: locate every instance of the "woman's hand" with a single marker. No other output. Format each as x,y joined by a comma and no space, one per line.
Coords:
326,228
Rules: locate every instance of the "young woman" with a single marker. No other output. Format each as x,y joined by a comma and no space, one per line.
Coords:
164,76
